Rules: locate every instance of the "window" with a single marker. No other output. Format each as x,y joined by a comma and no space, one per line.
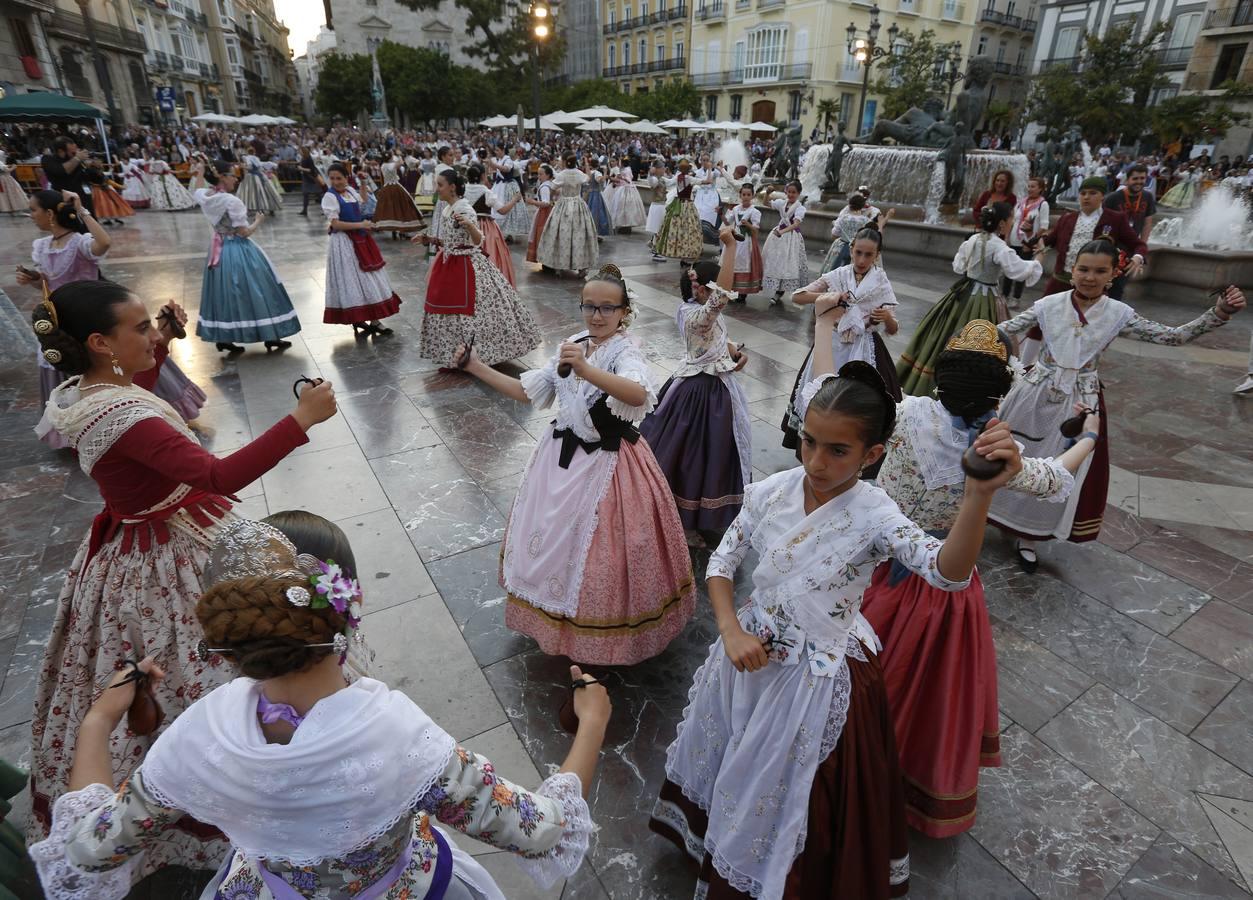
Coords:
983,45
1182,36
626,87
765,53
1067,46
626,14
21,38
611,14
626,53
737,107
678,50
950,9
794,106
1230,59
1000,52
138,81
643,50
232,52
661,53
613,56
644,8
711,107
661,7
1009,8
1022,55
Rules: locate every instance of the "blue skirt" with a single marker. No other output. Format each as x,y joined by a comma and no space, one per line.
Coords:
600,213
241,300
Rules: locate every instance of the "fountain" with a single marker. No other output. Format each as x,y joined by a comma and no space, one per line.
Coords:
1222,222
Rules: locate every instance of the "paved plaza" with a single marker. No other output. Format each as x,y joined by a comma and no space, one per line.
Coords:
1126,666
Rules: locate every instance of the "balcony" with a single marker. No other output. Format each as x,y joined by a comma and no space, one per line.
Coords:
711,12
767,74
907,8
72,25
1029,25
952,12
610,28
657,18
1070,63
1240,16
666,65
678,12
1174,57
162,61
770,4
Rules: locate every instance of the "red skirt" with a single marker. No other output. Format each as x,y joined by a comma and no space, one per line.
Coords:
496,249
450,285
109,203
749,282
857,845
537,228
939,667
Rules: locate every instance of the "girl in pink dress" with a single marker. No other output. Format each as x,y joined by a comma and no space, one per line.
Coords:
595,561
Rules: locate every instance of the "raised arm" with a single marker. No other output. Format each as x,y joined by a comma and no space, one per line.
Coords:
1142,329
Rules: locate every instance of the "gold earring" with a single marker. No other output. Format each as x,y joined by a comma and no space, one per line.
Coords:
117,368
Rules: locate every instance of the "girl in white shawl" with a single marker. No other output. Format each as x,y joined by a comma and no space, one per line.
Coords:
324,789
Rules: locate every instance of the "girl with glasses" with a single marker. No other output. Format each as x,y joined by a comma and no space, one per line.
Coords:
595,563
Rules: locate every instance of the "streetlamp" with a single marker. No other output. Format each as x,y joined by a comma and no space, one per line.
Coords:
541,28
948,60
867,52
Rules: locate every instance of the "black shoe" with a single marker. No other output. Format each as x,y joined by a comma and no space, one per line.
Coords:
302,213
1027,558
228,347
380,329
741,298
277,345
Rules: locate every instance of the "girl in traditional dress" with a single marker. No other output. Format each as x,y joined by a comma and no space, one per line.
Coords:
748,270
679,236
135,189
1031,220
426,178
981,261
242,298
1077,326
865,288
706,197
467,297
485,202
594,562
628,208
509,214
543,203
394,209
167,193
132,588
569,242
323,789
782,781
444,160
107,202
701,430
939,662
255,190
358,291
844,227
657,204
12,198
594,197
360,179
196,167
1183,194
784,265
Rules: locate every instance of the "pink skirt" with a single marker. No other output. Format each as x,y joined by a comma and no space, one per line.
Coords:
939,666
496,249
637,592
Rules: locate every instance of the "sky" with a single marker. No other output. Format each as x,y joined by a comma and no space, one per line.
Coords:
304,18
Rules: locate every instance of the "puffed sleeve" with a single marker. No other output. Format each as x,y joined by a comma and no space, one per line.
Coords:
1142,329
733,547
540,385
96,840
961,259
1043,477
330,206
917,551
632,366
548,827
1023,322
799,213
1015,267
237,211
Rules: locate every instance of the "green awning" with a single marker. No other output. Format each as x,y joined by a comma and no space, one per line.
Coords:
43,105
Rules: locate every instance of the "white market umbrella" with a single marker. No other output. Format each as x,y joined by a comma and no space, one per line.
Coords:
498,122
283,120
257,119
618,125
727,126
591,126
761,126
643,126
217,118
602,112
688,123
544,124
669,123
560,117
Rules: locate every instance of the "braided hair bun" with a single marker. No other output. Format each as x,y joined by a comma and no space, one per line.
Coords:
860,393
70,315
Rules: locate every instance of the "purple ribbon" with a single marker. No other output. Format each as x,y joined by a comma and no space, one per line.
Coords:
277,712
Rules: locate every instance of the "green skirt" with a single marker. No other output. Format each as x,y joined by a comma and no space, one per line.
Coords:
963,303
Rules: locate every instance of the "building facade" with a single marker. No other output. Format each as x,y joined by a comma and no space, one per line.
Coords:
46,47
1005,33
180,57
579,23
309,64
776,60
361,25
645,42
1222,53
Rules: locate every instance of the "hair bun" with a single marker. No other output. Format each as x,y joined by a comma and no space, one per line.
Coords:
612,271
857,370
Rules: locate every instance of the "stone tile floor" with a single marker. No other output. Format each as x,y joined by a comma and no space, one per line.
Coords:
1126,665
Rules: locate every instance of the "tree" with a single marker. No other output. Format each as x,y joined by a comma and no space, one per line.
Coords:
1201,118
1107,95
828,108
504,32
673,100
907,77
999,116
344,85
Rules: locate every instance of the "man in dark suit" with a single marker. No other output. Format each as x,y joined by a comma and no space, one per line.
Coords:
1092,221
64,167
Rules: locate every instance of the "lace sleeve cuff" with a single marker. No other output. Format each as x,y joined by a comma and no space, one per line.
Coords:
633,414
1045,478
539,387
564,859
61,880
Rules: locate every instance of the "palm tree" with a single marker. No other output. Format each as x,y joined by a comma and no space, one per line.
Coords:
828,109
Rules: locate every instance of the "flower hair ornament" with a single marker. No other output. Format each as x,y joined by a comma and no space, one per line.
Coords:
246,549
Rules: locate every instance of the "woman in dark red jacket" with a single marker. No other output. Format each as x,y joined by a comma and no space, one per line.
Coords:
1002,192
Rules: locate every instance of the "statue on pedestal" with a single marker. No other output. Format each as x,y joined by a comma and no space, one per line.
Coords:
835,160
785,163
953,155
378,113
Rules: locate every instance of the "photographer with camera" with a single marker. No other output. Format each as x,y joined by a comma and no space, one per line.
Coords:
66,169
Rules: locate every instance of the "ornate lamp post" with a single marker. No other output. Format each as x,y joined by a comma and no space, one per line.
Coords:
867,52
948,61
541,28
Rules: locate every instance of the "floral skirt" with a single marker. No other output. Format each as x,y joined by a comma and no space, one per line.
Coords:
257,193
516,222
680,234
628,208
502,326
939,666
12,197
637,592
126,602
784,265
169,194
569,238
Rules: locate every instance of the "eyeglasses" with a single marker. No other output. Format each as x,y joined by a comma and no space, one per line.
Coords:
590,310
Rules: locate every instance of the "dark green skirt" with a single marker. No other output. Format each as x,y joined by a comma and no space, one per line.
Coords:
916,366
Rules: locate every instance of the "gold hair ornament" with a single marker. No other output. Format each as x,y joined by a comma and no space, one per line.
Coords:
52,355
612,271
979,336
48,306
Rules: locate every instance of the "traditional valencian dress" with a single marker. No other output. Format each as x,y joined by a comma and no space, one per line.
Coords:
357,288
347,810
108,202
855,337
679,236
981,261
568,241
783,256
134,583
1065,374
628,208
783,783
656,207
485,202
167,192
701,430
544,194
594,197
468,297
242,299
256,191
135,191
748,267
394,208
73,261
12,198
595,562
843,229
516,222
939,662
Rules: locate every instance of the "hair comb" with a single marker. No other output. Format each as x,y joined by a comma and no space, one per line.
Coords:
611,270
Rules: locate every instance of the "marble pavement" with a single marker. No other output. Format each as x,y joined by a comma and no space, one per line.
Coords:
1126,666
